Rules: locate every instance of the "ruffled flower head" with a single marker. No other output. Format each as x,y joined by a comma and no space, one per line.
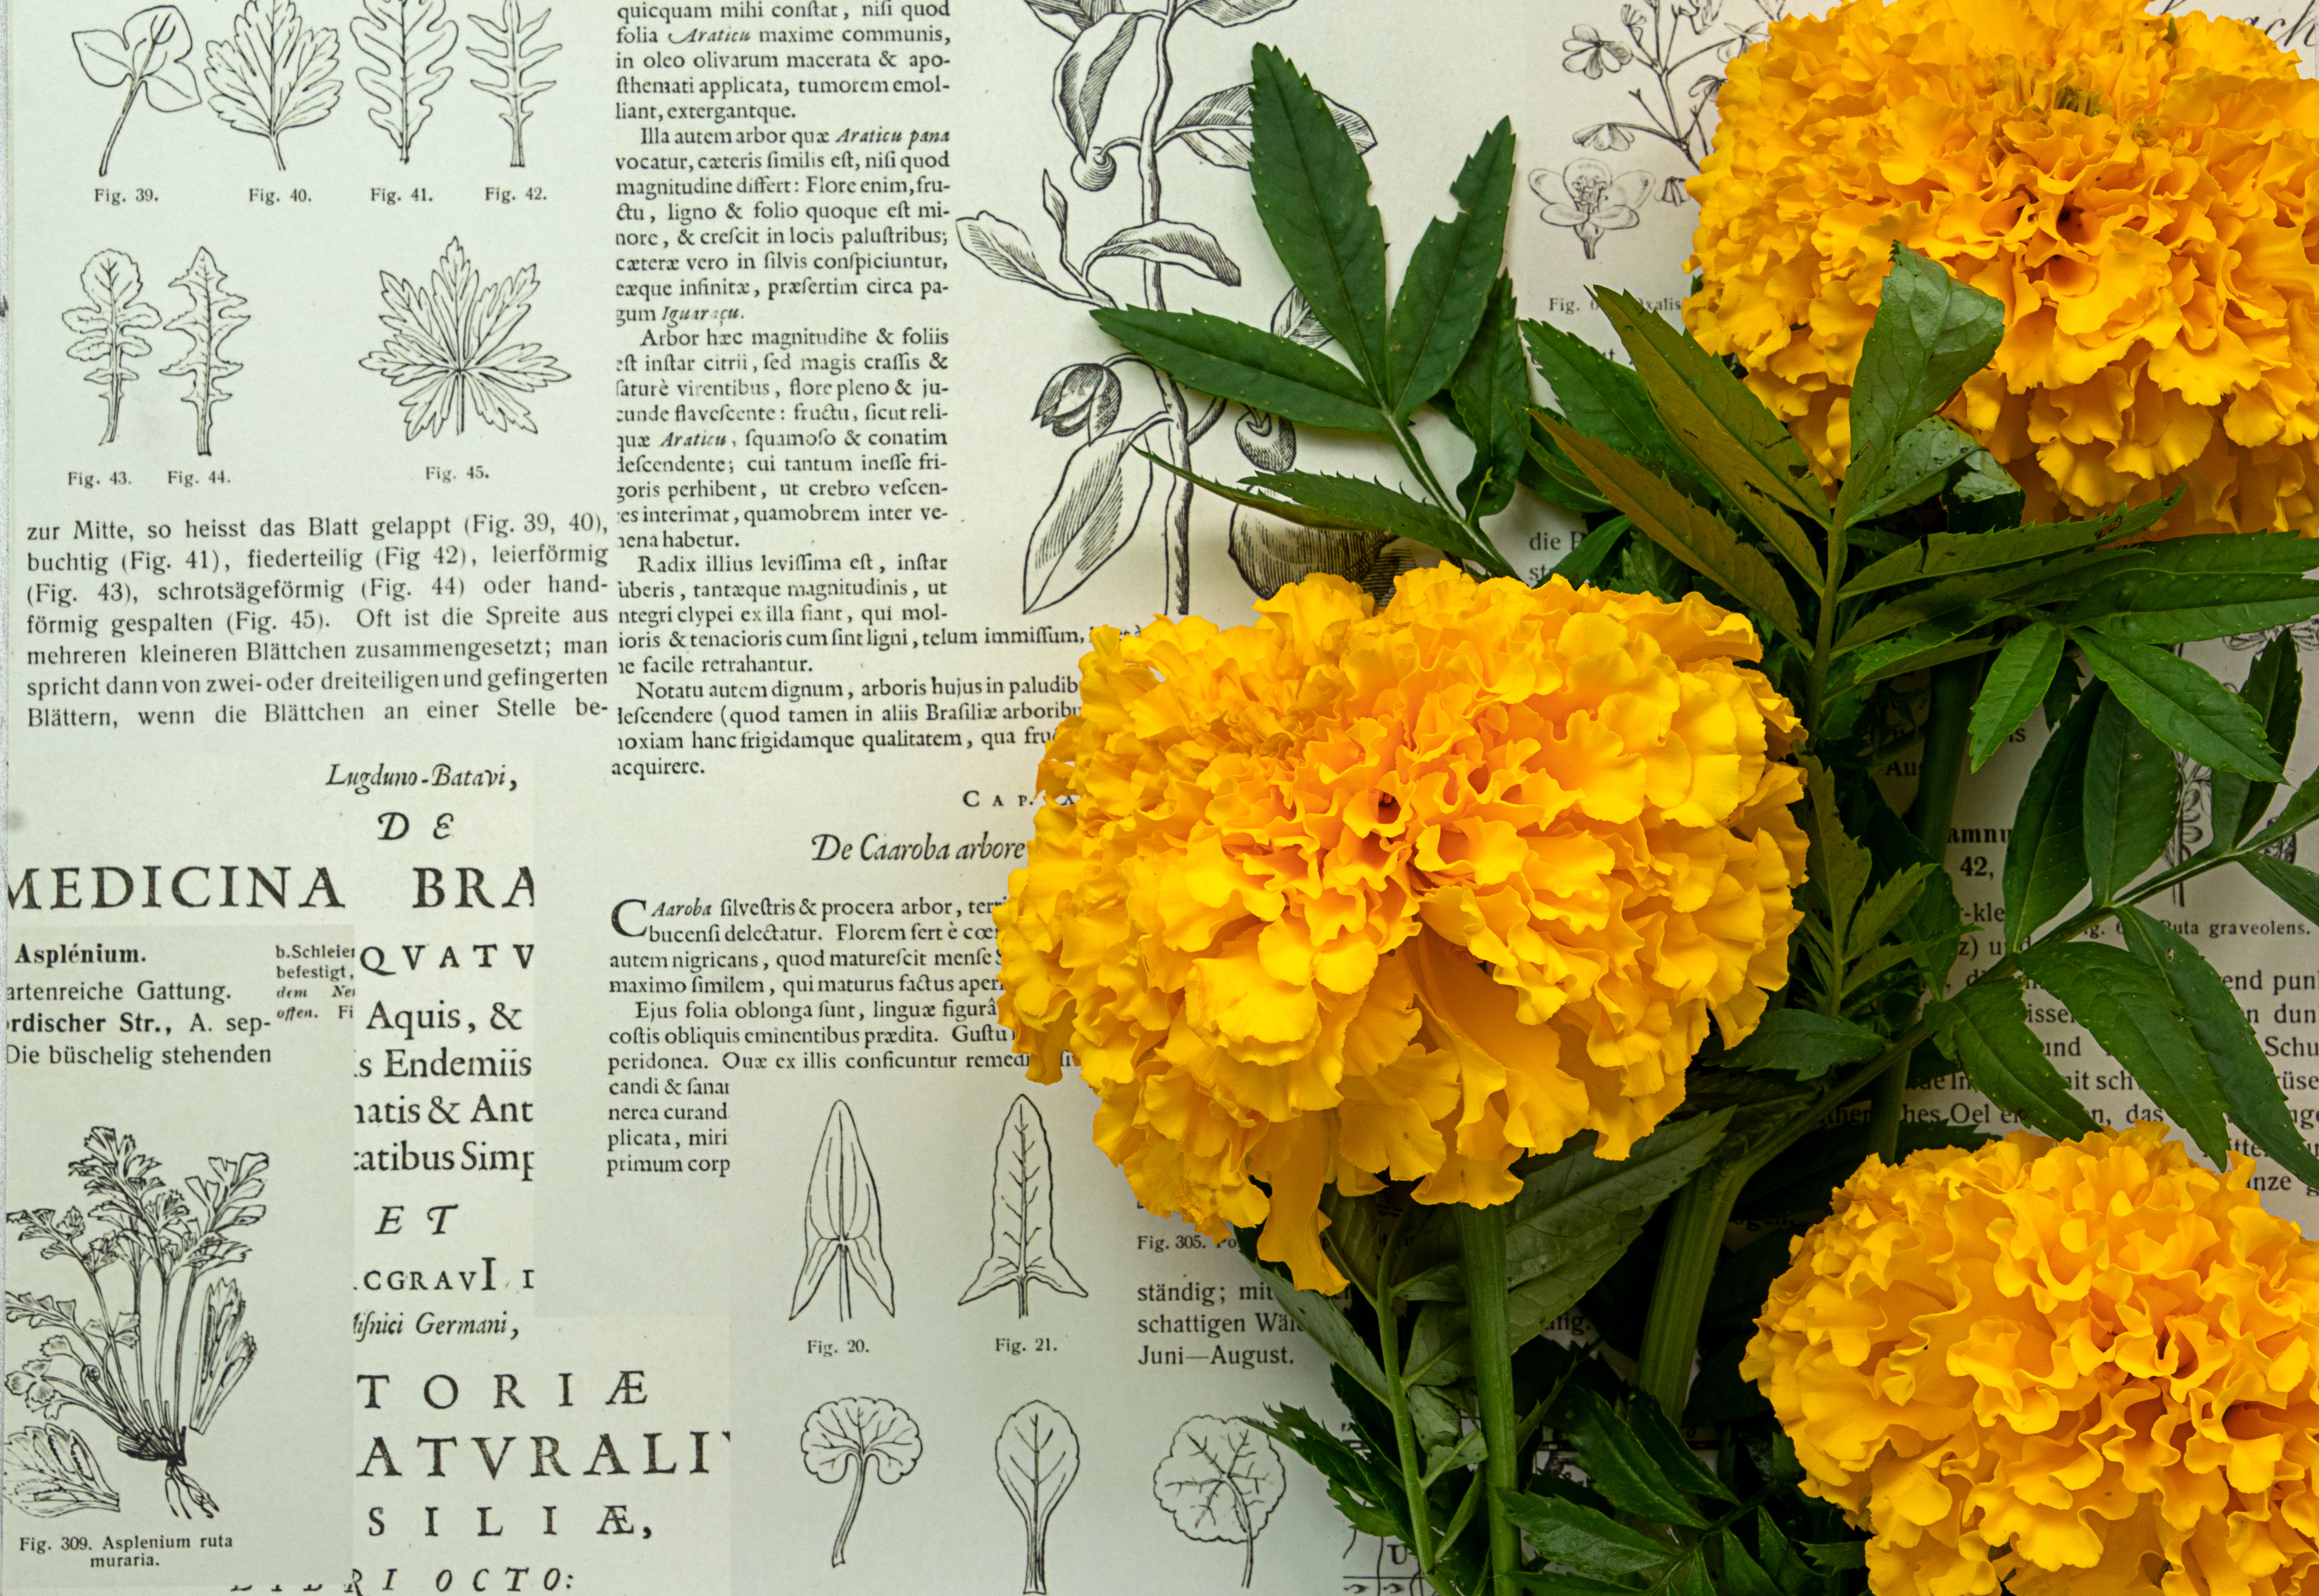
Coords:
1352,893
2139,190
2081,1368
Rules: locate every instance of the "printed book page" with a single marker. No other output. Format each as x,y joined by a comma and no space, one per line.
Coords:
546,543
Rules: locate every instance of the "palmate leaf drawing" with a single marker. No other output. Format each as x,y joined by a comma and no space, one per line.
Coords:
844,1231
273,73
213,317
451,342
150,55
512,52
1023,1214
1038,1458
408,44
108,329
1221,1480
857,1434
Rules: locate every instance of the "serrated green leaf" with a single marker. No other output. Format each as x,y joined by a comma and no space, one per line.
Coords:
2132,786
1797,1042
1693,536
2300,810
1949,554
2242,1070
2131,1011
1313,195
1354,502
2273,691
2045,861
1742,1575
1450,276
2183,704
1839,865
1591,553
1985,1028
1953,638
1836,1555
2296,887
1922,462
1591,1542
2015,685
1885,906
1617,1465
1259,369
2218,552
1677,1463
1322,1319
1931,333
2170,607
1599,397
1491,396
1554,477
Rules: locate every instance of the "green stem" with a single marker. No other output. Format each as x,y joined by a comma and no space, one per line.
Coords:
1694,1242
1404,1428
1482,1248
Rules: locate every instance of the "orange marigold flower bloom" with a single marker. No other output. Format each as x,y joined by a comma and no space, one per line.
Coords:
2141,191
2081,1368
1260,921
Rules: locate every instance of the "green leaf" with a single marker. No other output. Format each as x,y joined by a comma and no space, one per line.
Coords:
1884,908
1836,1555
2299,812
2132,786
2273,691
1450,276
1599,397
1742,1575
1312,195
1677,1463
1691,535
1985,1028
1807,1045
2170,607
2183,704
1923,460
2017,683
1591,553
1322,1319
1838,864
1554,477
1794,1576
1619,1465
2045,861
1354,1485
1984,498
2243,1071
1950,553
1261,370
2130,1012
1354,502
1591,1542
2295,886
1548,1583
2217,553
1955,637
1491,395
1931,333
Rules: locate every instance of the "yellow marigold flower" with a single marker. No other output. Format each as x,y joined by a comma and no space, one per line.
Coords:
1274,854
2081,1368
2139,191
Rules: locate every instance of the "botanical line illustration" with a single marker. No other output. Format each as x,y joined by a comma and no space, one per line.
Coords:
1221,1480
138,1363
214,316
109,329
151,55
512,53
845,1232
274,74
1038,1458
1114,90
1021,1213
408,44
1587,197
451,342
856,1435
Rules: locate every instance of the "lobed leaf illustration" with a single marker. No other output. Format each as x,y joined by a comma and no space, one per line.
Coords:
512,50
149,55
408,44
214,316
451,342
273,73
1220,1482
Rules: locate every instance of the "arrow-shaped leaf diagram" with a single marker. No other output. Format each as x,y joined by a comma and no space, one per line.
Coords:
1023,1214
842,1226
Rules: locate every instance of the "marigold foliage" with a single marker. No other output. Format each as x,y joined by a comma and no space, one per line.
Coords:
1272,855
2137,189
2091,1359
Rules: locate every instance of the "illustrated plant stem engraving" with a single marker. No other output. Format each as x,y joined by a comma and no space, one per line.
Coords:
1021,1213
1221,1480
409,43
129,1365
842,1224
214,316
109,328
274,74
451,342
1038,1458
1106,489
855,1435
150,55
513,52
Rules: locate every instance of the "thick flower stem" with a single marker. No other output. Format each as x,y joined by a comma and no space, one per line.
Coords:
1482,1248
1695,1242
1405,1427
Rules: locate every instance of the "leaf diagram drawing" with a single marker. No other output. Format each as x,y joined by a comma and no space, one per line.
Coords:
214,316
408,45
845,1232
1021,1213
1221,1480
155,1358
856,1435
1038,1458
151,55
273,73
451,343
1114,88
514,50
109,329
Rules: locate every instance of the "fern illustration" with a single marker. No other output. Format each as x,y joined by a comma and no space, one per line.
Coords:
108,327
274,74
214,316
410,44
513,52
450,340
